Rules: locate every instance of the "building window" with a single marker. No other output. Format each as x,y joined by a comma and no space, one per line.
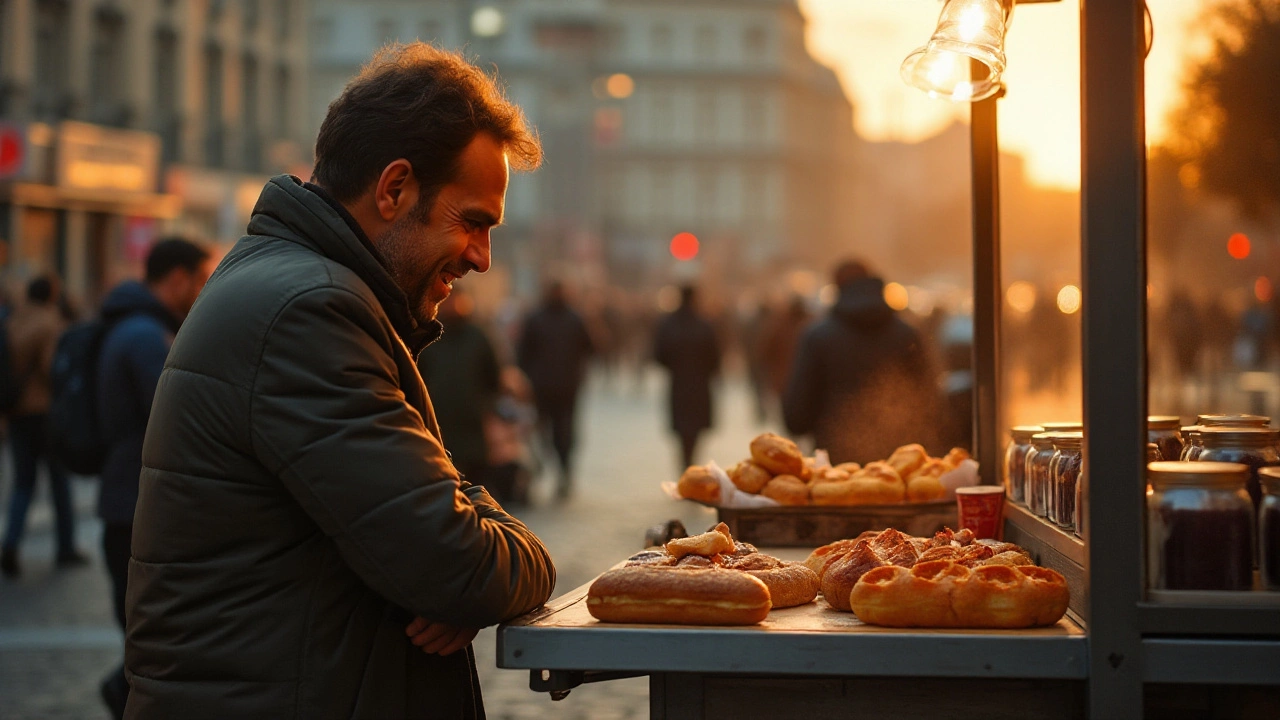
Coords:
283,125
661,114
215,130
708,118
284,18
755,117
105,104
166,94
756,42
660,39
705,44
250,15
50,98
252,118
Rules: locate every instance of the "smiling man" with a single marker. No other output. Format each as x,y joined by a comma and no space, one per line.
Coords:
303,547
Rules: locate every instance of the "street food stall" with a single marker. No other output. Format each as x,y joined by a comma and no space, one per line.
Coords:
1150,628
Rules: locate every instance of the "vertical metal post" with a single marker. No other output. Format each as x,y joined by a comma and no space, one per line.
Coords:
1113,274
985,170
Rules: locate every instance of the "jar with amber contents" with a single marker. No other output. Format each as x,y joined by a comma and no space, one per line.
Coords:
1037,473
1251,446
1269,528
1163,430
1015,461
1199,526
1064,474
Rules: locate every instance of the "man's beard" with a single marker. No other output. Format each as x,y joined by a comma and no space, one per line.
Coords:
409,265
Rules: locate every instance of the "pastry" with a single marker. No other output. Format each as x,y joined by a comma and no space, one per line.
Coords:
907,459
955,457
946,594
888,547
790,584
707,544
875,484
697,483
849,467
689,597
787,490
777,454
828,474
749,477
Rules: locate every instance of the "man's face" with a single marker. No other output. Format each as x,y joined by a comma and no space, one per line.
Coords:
424,258
187,285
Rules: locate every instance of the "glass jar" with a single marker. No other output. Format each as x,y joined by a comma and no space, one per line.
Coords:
1191,445
1052,427
1015,460
1064,474
1199,526
1219,420
1037,473
1080,501
1163,431
1252,446
1269,528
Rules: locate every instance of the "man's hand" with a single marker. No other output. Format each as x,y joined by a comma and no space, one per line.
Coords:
439,638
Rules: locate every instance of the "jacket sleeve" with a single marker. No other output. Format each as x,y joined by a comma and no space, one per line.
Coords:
145,349
800,399
329,419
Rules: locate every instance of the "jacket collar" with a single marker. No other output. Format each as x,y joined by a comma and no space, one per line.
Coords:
305,214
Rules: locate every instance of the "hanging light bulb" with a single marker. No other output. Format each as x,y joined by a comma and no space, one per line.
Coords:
967,30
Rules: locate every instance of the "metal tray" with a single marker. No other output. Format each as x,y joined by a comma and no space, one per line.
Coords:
813,525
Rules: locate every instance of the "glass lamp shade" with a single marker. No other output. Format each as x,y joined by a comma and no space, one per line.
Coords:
967,30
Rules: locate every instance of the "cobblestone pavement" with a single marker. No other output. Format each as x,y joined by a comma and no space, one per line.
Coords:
57,637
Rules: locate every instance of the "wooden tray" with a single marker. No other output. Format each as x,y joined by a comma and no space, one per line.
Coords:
813,525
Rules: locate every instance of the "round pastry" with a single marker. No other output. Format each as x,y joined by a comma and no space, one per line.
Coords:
999,596
916,597
849,467
955,457
907,459
875,484
787,490
924,488
828,474
777,454
698,483
822,557
749,477
807,471
688,597
789,584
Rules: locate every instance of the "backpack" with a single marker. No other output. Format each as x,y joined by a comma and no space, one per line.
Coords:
10,384
75,437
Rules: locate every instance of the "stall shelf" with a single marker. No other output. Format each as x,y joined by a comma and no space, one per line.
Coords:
1118,642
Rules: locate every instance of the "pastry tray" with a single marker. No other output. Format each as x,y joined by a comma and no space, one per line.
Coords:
813,525
811,639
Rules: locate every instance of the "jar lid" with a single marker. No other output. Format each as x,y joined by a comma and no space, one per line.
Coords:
1163,422
1198,474
1270,478
1219,420
1237,435
1062,426
1068,439
1024,432
1190,428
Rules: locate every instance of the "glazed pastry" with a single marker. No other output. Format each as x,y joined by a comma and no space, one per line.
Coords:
947,594
697,483
749,477
889,547
777,454
787,490
907,459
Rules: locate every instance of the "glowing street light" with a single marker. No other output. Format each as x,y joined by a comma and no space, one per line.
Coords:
1069,299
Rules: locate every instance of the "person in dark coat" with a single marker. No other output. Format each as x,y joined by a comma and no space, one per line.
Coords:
685,344
861,382
303,547
461,373
142,319
553,350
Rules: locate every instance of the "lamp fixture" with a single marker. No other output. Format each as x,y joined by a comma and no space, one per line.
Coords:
967,30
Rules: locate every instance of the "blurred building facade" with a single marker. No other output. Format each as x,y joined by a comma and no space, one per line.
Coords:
127,119
658,117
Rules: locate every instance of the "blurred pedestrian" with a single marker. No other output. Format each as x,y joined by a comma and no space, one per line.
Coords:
141,319
33,331
778,343
685,344
461,373
303,546
553,351
861,382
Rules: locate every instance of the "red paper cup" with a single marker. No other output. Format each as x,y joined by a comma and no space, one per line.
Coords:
981,509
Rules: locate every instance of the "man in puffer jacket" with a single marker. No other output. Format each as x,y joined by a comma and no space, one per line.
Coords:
303,546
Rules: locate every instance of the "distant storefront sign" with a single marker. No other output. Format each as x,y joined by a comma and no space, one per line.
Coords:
13,150
90,157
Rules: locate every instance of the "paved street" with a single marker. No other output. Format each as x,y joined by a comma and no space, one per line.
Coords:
57,638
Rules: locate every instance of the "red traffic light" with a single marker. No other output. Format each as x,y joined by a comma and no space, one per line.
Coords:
684,246
1238,246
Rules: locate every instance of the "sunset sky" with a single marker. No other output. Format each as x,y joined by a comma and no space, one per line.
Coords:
866,40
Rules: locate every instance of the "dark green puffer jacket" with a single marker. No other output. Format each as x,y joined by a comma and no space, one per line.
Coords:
297,507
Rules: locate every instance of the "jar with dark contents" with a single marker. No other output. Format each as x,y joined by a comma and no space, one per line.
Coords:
1163,430
1199,526
1269,528
1064,474
1252,446
1037,473
1191,445
1015,461
1080,501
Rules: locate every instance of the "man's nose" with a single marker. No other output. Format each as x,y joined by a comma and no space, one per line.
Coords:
478,253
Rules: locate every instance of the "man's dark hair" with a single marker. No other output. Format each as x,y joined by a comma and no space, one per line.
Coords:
850,270
40,290
422,104
171,253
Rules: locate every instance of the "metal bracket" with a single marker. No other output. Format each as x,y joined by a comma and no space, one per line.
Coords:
559,682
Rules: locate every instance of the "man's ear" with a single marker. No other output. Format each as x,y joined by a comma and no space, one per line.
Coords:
397,190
